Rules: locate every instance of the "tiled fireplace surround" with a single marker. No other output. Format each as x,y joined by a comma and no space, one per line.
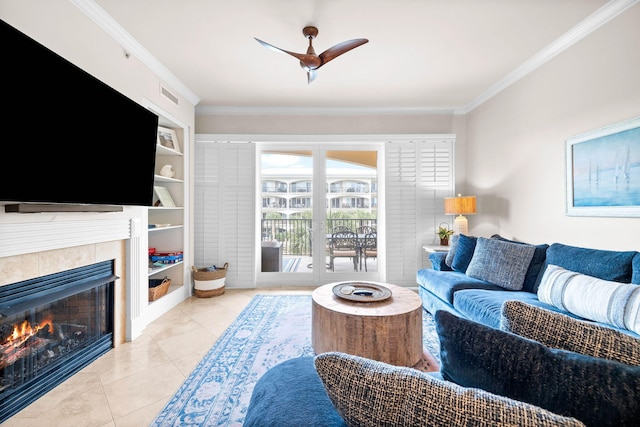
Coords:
29,250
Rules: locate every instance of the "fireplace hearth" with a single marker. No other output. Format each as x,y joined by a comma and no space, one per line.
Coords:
50,328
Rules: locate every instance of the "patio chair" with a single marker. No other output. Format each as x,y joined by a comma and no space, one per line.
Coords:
368,248
344,244
365,229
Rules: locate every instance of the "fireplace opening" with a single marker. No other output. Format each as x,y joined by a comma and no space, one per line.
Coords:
50,328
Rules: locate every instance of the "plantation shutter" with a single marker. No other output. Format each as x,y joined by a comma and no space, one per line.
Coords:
418,175
224,209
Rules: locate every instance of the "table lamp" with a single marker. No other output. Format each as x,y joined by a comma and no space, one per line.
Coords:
460,206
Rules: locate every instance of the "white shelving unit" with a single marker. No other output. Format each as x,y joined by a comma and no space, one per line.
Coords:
166,224
165,228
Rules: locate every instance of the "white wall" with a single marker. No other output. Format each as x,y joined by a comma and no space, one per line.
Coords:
325,124
515,158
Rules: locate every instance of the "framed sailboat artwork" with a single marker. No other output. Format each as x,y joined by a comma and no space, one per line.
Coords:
603,171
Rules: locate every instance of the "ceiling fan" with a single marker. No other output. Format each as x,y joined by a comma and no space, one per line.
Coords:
310,61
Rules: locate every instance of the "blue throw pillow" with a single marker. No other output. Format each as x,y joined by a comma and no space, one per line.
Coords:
502,263
596,391
453,245
464,253
635,276
616,266
539,256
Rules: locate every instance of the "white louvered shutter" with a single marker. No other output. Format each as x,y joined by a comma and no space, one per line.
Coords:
224,209
419,174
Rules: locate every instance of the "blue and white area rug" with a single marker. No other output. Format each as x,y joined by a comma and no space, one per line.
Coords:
270,330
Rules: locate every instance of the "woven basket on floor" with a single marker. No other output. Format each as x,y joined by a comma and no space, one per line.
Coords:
158,288
209,283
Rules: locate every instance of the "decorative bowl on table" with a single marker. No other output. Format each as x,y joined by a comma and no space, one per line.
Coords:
361,291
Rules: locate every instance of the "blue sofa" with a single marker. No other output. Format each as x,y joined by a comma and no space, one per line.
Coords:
508,357
458,280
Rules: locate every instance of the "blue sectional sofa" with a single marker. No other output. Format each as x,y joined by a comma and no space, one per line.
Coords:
478,275
536,335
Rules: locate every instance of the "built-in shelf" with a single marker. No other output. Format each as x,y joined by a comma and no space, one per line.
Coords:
172,236
170,227
154,271
166,179
164,151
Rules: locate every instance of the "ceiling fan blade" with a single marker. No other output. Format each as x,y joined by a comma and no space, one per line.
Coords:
310,61
311,76
340,48
300,56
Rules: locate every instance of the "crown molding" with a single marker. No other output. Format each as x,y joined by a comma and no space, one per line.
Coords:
320,111
115,30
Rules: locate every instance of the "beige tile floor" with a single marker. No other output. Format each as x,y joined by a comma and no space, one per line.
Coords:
131,384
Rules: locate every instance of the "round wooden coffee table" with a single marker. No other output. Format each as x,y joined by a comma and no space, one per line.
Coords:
389,331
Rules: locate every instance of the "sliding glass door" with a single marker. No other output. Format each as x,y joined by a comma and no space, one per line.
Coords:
318,213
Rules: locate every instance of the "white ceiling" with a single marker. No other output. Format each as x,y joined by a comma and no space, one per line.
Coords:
422,55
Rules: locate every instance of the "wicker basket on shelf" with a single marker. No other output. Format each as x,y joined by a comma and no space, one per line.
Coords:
158,288
209,283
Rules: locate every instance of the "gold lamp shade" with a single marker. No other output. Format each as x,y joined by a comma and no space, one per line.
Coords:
460,206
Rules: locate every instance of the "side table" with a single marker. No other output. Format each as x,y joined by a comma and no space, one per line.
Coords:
435,248
389,331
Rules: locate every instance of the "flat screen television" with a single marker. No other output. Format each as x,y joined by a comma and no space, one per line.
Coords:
68,138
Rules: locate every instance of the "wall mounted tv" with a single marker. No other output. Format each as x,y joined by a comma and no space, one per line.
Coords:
67,137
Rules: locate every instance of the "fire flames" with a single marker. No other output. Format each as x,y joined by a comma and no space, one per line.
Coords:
24,331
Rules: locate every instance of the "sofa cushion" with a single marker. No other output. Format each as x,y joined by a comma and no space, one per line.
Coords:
535,267
616,266
613,303
502,263
444,284
291,394
596,391
464,253
558,330
485,306
370,393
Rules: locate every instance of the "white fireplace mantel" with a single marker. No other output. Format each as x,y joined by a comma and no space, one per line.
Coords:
30,237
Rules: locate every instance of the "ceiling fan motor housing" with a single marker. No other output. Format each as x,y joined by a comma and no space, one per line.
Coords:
310,32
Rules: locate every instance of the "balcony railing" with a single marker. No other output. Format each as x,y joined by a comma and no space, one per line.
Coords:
296,234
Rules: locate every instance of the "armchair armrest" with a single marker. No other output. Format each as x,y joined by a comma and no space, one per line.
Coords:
437,261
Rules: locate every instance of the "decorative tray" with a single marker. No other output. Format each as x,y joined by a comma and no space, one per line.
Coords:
361,291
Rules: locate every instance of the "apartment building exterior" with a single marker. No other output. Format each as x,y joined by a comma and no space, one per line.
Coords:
288,192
